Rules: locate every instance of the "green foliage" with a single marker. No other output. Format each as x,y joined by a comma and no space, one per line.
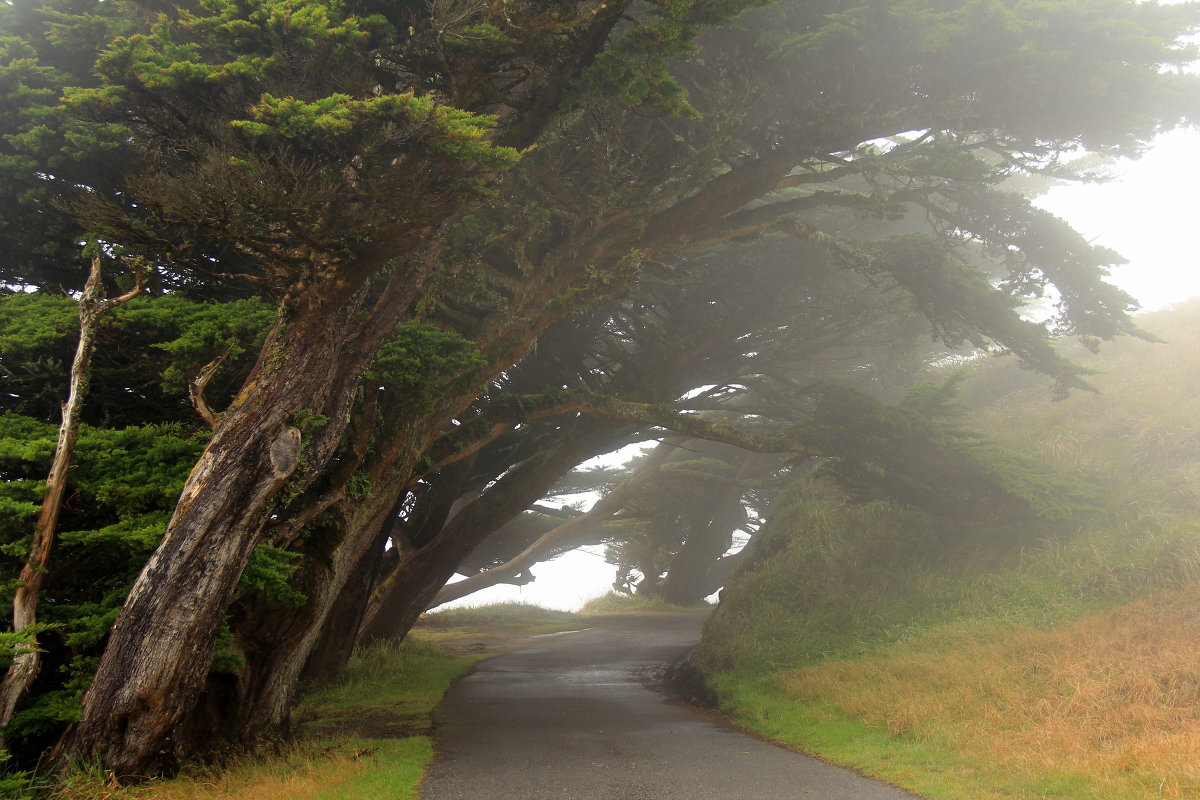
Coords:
46,716
964,307
837,579
635,68
36,321
9,640
15,784
280,134
194,334
267,573
307,420
327,121
42,160
134,471
226,658
1062,64
147,351
419,361
826,567
177,54
905,453
121,492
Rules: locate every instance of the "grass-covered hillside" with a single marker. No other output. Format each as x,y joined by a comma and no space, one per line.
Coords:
969,659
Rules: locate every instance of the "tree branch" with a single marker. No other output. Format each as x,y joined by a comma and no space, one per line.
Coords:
507,411
604,508
197,386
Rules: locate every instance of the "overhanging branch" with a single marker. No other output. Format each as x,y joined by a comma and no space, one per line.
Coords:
516,409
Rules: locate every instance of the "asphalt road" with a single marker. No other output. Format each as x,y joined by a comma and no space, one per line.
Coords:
577,716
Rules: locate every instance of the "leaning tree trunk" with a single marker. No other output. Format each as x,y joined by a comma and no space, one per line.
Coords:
689,576
284,642
335,645
274,674
410,588
24,667
274,671
161,646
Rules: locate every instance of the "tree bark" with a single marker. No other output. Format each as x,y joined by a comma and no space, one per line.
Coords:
335,645
287,641
24,667
161,645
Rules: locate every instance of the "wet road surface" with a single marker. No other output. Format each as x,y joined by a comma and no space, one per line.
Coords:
576,716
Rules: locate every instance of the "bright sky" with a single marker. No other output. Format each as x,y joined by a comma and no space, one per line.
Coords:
1150,213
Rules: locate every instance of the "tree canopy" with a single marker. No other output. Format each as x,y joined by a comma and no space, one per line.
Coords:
409,264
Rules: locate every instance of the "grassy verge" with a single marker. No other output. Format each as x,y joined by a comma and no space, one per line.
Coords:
519,617
340,769
364,735
493,629
1100,709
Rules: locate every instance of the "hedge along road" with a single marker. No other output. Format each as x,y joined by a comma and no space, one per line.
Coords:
577,716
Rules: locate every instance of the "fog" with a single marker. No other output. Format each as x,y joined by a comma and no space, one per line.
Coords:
1146,212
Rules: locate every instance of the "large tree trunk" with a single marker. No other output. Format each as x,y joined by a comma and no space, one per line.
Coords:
24,667
280,645
259,707
287,640
161,646
335,645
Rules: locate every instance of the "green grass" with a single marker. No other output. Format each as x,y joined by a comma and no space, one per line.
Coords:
613,603
394,769
925,766
403,681
363,735
500,616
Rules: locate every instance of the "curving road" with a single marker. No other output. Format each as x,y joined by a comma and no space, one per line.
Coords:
575,717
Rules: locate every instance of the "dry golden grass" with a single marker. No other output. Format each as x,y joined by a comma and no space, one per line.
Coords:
305,772
1115,696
